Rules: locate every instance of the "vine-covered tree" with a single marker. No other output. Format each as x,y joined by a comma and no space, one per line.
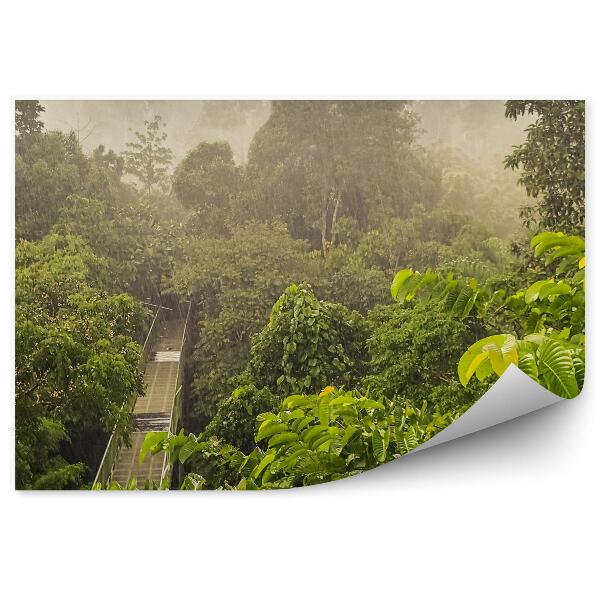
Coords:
307,344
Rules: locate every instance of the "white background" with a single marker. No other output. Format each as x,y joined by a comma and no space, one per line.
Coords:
507,513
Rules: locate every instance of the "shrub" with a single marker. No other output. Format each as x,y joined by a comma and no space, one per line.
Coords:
236,416
307,345
414,351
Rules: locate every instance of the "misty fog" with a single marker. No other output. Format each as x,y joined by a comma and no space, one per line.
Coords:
188,122
476,127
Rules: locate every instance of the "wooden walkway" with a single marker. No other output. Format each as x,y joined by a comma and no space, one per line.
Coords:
152,412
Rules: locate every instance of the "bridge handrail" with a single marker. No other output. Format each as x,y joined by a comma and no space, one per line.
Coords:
114,442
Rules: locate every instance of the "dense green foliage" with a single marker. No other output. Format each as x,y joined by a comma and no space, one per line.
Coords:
76,361
49,167
236,415
303,368
84,244
430,343
311,439
235,280
139,248
549,315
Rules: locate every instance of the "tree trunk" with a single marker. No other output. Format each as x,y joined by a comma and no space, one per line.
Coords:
324,212
328,227
336,207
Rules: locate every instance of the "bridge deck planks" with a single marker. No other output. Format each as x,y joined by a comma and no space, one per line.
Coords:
160,379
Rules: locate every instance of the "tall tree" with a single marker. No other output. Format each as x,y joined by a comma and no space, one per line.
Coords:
316,161
49,166
205,181
137,247
552,160
148,158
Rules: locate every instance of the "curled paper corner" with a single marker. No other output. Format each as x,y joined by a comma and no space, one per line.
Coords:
513,395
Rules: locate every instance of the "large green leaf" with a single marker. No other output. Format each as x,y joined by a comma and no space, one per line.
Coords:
474,351
546,240
349,434
472,368
324,411
283,438
579,365
556,289
298,400
187,450
378,443
345,400
510,353
267,460
367,403
312,432
399,280
406,440
464,302
152,443
302,423
270,430
555,365
320,440
533,291
569,247
424,281
528,365
495,357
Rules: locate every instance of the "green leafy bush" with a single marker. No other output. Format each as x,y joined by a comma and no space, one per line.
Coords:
311,439
414,351
549,314
307,344
236,416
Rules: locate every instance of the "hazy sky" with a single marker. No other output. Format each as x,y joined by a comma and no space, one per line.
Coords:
478,128
188,122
